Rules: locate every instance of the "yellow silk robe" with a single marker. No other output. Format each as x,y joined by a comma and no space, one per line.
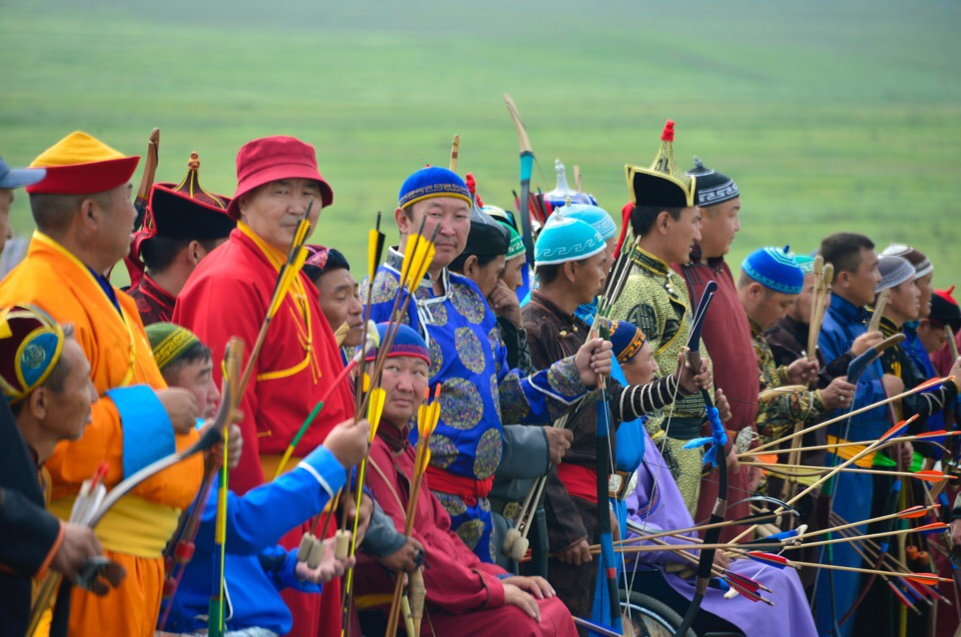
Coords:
135,531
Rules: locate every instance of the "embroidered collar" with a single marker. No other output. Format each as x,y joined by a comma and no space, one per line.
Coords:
755,328
888,328
149,287
571,321
650,262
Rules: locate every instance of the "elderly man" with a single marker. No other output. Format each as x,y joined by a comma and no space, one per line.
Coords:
278,185
464,596
84,220
45,379
329,271
468,357
183,224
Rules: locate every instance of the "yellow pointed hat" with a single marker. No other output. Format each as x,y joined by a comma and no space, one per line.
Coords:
80,164
663,184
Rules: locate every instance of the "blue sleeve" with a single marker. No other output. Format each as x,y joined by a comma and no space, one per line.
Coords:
148,435
279,564
264,515
539,398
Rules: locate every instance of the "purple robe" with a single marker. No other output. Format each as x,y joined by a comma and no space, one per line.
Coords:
790,615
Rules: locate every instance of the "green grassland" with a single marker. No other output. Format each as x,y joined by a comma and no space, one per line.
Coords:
832,116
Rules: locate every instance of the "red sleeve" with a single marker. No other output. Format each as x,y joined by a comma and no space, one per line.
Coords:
454,578
216,309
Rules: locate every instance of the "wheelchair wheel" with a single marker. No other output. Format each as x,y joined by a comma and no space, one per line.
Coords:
650,616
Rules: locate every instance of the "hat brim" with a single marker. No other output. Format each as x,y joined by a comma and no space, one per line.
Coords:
85,179
652,188
22,177
178,216
278,172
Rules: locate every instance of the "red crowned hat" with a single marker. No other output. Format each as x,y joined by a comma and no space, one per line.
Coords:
81,165
272,158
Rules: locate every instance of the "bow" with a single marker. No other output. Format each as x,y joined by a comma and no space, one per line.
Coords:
527,167
603,434
717,440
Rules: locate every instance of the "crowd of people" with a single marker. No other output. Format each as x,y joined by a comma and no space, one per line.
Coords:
590,418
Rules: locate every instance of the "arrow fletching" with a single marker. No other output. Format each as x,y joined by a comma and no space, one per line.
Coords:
769,558
375,409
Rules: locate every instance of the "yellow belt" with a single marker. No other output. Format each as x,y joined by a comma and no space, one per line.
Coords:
846,453
134,526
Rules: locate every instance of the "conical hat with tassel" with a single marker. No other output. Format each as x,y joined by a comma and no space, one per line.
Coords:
663,184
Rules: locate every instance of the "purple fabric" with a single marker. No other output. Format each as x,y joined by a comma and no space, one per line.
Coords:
790,614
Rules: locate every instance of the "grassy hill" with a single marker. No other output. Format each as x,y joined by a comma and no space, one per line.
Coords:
830,115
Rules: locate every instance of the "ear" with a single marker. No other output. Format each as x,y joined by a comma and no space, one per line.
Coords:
570,271
755,290
663,223
842,279
37,403
403,222
195,252
470,264
90,217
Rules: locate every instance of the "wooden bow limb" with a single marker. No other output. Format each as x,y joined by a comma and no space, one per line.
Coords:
147,179
882,301
801,470
845,416
454,153
814,319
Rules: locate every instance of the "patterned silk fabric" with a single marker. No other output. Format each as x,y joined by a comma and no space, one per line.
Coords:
479,390
777,417
655,299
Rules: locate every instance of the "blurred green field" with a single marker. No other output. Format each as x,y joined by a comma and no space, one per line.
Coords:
831,116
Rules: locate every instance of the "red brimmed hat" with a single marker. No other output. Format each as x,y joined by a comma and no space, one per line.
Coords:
81,165
272,158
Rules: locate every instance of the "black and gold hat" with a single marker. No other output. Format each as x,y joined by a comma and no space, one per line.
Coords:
663,184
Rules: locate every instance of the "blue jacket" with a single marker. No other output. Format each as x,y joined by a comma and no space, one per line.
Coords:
843,322
256,567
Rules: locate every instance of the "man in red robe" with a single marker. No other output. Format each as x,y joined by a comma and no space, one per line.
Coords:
726,331
464,596
229,294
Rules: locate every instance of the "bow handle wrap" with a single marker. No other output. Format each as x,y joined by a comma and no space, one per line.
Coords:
717,439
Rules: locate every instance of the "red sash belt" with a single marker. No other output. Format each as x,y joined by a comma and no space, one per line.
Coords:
580,482
467,489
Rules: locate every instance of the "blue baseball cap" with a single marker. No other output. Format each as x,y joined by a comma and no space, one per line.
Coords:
19,178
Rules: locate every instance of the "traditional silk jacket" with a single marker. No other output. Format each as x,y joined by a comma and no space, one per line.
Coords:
256,567
228,295
570,500
479,392
130,429
777,417
655,299
154,303
465,596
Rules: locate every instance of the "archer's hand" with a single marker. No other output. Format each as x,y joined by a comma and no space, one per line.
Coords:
905,451
840,393
593,359
733,466
181,408
329,568
577,553
366,513
558,441
802,372
348,442
689,380
79,544
721,560
235,445
505,304
535,585
956,372
404,559
865,342
723,406
514,596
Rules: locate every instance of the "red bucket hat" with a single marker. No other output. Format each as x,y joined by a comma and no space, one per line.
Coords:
272,158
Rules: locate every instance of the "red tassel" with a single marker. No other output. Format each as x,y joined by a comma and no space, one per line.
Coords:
471,184
625,222
668,134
